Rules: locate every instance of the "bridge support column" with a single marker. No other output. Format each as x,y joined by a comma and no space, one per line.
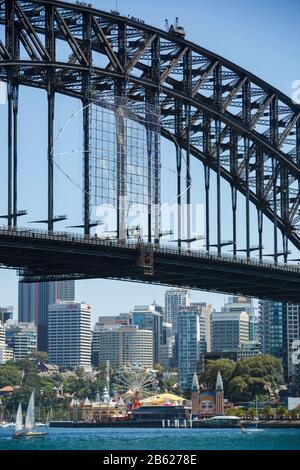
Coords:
274,176
178,126
86,85
207,221
10,154
188,79
260,232
234,208
51,111
15,152
219,208
247,198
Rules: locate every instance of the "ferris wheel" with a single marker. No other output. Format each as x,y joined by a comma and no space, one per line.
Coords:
134,380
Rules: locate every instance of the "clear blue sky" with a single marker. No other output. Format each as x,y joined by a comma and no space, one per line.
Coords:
261,36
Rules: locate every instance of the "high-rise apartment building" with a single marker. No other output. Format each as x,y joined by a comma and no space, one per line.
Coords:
271,324
34,299
174,300
245,304
191,343
229,330
150,317
21,338
69,334
122,345
291,340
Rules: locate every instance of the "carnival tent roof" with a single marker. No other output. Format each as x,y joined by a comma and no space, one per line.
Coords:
163,399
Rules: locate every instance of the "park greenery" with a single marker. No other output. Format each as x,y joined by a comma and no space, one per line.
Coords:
244,380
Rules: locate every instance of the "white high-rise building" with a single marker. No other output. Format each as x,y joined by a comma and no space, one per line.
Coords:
22,338
69,334
174,300
6,353
121,345
191,343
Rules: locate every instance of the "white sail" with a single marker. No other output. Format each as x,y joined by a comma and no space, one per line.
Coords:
19,419
30,419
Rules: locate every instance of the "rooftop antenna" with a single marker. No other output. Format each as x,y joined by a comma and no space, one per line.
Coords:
117,5
167,24
177,21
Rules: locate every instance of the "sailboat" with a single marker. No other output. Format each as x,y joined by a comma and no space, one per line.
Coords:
256,428
29,429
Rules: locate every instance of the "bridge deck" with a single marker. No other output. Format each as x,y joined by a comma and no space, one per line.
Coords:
48,256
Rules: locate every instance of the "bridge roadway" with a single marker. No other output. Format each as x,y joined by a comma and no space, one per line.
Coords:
40,256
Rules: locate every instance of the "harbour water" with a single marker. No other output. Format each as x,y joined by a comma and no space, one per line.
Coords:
155,439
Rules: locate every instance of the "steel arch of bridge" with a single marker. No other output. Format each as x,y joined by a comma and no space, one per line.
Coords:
237,125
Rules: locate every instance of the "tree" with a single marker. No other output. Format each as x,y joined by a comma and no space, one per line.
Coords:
251,413
282,412
38,357
253,377
224,366
9,375
238,389
265,367
268,412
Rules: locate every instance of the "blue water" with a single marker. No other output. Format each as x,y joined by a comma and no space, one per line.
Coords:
155,439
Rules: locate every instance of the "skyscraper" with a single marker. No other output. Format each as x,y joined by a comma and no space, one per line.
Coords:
229,330
121,345
271,322
150,317
191,343
69,334
34,299
280,333
174,300
291,339
245,304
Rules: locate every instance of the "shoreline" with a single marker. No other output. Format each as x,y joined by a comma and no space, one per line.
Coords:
195,425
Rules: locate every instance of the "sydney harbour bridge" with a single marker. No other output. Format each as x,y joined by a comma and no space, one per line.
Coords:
244,133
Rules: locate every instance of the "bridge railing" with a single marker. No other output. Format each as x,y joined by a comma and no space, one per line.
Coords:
133,245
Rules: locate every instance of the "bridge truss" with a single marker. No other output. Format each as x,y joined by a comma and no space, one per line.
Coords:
241,128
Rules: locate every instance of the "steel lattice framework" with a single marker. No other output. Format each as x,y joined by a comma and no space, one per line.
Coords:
236,124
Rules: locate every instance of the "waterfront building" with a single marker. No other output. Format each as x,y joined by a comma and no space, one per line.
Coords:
150,317
122,345
97,411
174,300
191,343
209,403
245,304
229,330
21,338
69,334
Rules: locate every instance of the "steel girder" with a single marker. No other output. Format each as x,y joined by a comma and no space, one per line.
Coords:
238,125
